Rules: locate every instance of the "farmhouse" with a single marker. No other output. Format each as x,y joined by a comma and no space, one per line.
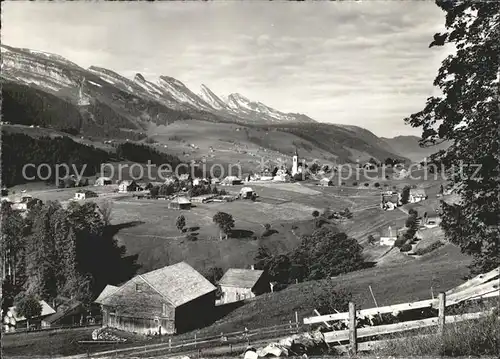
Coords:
16,321
247,192
127,186
239,284
417,195
325,182
431,219
231,181
168,300
103,181
84,194
180,203
390,200
389,238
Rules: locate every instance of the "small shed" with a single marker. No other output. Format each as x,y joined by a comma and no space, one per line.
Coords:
240,284
231,181
180,203
72,314
417,195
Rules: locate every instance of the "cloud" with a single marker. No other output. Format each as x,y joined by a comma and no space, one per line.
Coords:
362,63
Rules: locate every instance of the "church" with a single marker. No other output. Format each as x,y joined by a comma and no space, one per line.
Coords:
296,164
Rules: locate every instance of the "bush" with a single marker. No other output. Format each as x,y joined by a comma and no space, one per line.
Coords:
405,248
399,242
377,185
430,248
355,183
366,184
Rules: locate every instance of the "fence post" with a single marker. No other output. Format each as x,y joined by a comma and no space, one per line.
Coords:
195,340
297,320
352,329
169,344
441,318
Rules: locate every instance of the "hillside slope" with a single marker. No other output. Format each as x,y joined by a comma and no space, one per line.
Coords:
408,146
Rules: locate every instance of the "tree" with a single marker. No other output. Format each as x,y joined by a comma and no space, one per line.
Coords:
467,116
180,223
225,222
154,191
29,307
315,215
371,239
262,257
213,274
278,269
405,195
106,211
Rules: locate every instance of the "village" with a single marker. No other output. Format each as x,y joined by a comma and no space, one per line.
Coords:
150,307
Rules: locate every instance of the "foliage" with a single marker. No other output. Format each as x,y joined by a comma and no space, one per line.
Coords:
67,252
405,247
213,274
371,239
330,301
466,114
405,195
180,223
28,306
224,221
19,149
376,184
106,209
399,242
428,249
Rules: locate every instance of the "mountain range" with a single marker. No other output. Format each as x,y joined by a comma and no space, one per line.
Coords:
47,90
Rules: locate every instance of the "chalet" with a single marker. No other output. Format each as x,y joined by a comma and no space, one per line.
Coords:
390,200
180,203
103,181
239,284
200,181
169,300
326,182
16,321
417,195
127,186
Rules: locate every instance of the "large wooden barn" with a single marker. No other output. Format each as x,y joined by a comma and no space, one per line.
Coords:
168,300
239,284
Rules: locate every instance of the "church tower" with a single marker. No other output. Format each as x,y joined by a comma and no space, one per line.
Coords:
295,163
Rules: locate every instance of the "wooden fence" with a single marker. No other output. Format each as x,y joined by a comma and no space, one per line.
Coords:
174,345
482,286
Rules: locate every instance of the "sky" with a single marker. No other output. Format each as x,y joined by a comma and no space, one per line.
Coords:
364,63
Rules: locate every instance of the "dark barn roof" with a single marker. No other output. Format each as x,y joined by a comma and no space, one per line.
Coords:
241,278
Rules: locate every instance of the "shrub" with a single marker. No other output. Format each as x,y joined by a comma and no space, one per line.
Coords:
428,249
355,183
342,184
399,242
366,184
377,185
405,248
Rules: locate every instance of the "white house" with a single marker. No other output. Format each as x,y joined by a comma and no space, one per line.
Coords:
103,181
417,195
127,186
84,194
247,192
325,182
389,239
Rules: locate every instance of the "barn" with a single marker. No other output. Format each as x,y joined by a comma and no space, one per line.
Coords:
169,300
180,203
239,284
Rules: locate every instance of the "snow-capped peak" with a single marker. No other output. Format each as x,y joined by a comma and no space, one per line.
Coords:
212,99
235,101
